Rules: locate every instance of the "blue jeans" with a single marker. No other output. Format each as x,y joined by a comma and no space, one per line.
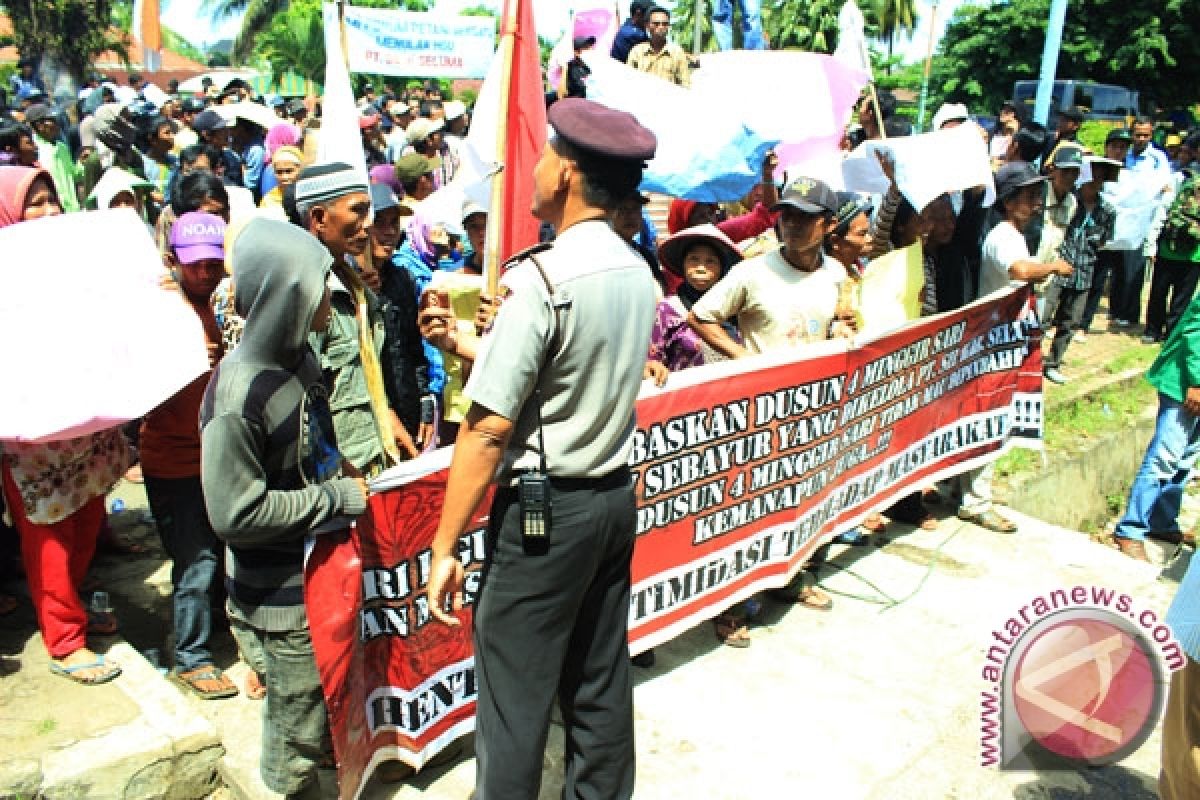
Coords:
1158,487
752,32
195,551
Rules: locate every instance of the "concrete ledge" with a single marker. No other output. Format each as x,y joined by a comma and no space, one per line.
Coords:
168,752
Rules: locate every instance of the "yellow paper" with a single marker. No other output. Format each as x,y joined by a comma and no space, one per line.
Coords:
891,289
464,291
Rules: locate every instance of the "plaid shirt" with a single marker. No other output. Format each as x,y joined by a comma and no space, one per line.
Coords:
1087,233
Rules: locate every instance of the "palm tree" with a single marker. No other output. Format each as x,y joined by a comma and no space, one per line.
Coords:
295,41
893,16
802,24
256,18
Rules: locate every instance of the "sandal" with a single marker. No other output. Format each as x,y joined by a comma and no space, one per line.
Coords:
102,623
256,686
803,591
108,671
988,519
731,630
195,679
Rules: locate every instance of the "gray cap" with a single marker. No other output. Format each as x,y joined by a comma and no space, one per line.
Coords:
808,195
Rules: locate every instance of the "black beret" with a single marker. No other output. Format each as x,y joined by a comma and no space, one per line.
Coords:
602,131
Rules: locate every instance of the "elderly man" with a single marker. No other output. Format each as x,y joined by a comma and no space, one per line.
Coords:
659,57
333,201
552,410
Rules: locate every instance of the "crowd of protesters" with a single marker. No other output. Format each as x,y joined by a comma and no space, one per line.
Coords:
395,303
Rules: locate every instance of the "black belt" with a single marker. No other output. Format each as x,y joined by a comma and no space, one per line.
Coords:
613,480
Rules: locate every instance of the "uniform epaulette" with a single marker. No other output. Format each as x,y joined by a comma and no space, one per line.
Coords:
540,247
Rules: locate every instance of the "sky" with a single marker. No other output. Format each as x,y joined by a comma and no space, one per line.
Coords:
187,18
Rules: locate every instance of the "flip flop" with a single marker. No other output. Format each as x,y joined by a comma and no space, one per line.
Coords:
988,519
191,679
72,673
731,630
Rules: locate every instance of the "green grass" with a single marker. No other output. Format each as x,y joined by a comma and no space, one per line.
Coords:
1139,357
1072,426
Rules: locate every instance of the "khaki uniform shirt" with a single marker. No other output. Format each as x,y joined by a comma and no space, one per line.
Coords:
586,360
671,63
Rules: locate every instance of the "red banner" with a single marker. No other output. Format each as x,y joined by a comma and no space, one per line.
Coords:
743,470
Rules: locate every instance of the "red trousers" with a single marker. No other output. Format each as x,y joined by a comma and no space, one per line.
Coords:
56,559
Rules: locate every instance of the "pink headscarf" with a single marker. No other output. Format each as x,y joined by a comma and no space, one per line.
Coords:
282,135
15,183
421,233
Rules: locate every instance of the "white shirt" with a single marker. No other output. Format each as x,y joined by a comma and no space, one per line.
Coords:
1003,247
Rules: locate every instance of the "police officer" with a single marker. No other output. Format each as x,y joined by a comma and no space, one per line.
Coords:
561,366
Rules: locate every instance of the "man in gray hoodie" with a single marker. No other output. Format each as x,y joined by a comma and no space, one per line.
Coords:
271,470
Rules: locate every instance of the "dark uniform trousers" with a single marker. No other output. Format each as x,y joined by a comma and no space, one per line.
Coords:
556,623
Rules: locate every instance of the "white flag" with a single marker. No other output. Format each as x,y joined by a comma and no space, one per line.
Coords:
852,39
340,138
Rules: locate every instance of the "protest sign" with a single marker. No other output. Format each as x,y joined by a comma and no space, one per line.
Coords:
927,165
742,470
1136,197
91,339
411,43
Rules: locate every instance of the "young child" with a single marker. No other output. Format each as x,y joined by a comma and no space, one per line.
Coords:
271,473
1090,229
170,457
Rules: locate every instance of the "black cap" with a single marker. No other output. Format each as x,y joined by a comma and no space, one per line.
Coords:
1119,134
584,41
1073,114
192,105
209,121
297,107
602,131
810,196
1015,175
1068,157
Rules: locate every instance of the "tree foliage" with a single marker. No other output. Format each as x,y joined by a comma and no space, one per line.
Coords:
295,40
70,32
1150,46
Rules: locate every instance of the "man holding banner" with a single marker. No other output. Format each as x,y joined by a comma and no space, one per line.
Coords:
552,416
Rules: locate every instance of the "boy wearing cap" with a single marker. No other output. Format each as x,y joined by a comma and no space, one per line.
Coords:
784,298
1090,229
169,450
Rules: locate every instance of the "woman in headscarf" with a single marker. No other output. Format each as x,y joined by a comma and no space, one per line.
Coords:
278,137
425,243
285,166
700,257
55,492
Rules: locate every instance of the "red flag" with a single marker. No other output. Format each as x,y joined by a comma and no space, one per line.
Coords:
524,111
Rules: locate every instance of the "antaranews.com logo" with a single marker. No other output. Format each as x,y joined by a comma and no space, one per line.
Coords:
1076,676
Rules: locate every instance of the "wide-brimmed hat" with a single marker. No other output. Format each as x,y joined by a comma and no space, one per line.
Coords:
671,252
1014,176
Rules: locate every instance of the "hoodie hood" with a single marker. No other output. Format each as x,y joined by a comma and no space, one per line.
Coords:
279,274
114,181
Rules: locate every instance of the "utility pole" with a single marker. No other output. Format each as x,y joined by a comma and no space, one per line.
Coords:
1054,30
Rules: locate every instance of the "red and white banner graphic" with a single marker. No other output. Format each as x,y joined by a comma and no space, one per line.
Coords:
743,470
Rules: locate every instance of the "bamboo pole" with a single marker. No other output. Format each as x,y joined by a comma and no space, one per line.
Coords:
491,261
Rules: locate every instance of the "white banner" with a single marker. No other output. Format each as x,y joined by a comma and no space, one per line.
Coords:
409,43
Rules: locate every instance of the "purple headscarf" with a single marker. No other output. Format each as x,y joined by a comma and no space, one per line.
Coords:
386,174
420,228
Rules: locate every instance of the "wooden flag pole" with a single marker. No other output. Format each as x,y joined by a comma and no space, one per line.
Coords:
866,57
508,45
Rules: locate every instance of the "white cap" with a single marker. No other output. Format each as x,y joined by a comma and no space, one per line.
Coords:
454,109
948,113
420,128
